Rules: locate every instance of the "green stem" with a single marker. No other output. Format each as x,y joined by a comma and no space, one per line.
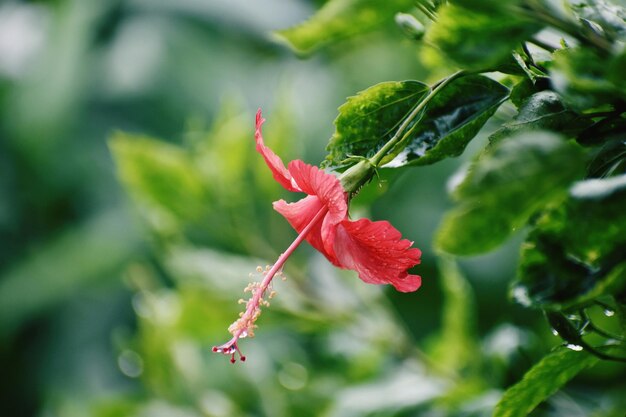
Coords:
400,135
543,45
431,14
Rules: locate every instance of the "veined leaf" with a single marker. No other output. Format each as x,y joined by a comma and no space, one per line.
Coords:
576,251
339,19
543,380
450,120
505,187
368,120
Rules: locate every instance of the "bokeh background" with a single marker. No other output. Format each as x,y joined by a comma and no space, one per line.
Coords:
133,208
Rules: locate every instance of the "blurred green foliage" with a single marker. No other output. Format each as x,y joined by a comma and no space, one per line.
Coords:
134,208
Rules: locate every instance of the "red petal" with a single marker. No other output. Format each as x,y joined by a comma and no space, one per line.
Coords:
300,214
378,253
281,175
326,187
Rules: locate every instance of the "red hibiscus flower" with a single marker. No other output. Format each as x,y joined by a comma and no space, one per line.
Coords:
375,250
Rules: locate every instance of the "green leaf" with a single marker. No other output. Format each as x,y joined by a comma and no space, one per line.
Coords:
521,91
587,80
608,15
410,25
479,39
543,380
450,120
452,116
159,175
368,120
457,347
576,251
503,188
339,19
609,159
542,111
532,72
615,72
603,131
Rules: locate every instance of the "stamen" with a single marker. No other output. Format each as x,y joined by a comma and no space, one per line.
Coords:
244,326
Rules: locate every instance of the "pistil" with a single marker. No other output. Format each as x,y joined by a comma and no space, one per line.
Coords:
244,326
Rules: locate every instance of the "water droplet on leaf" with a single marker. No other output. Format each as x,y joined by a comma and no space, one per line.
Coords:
574,347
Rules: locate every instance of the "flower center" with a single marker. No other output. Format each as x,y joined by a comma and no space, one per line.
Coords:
245,325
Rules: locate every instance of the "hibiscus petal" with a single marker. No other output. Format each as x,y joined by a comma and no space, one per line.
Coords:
314,181
407,282
300,214
273,161
378,253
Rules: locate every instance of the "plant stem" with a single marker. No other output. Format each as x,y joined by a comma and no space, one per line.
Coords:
399,135
543,45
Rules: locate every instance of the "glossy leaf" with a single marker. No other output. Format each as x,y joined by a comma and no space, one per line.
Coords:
450,120
543,110
521,91
576,251
479,39
609,159
532,72
339,19
543,380
503,188
368,120
603,131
